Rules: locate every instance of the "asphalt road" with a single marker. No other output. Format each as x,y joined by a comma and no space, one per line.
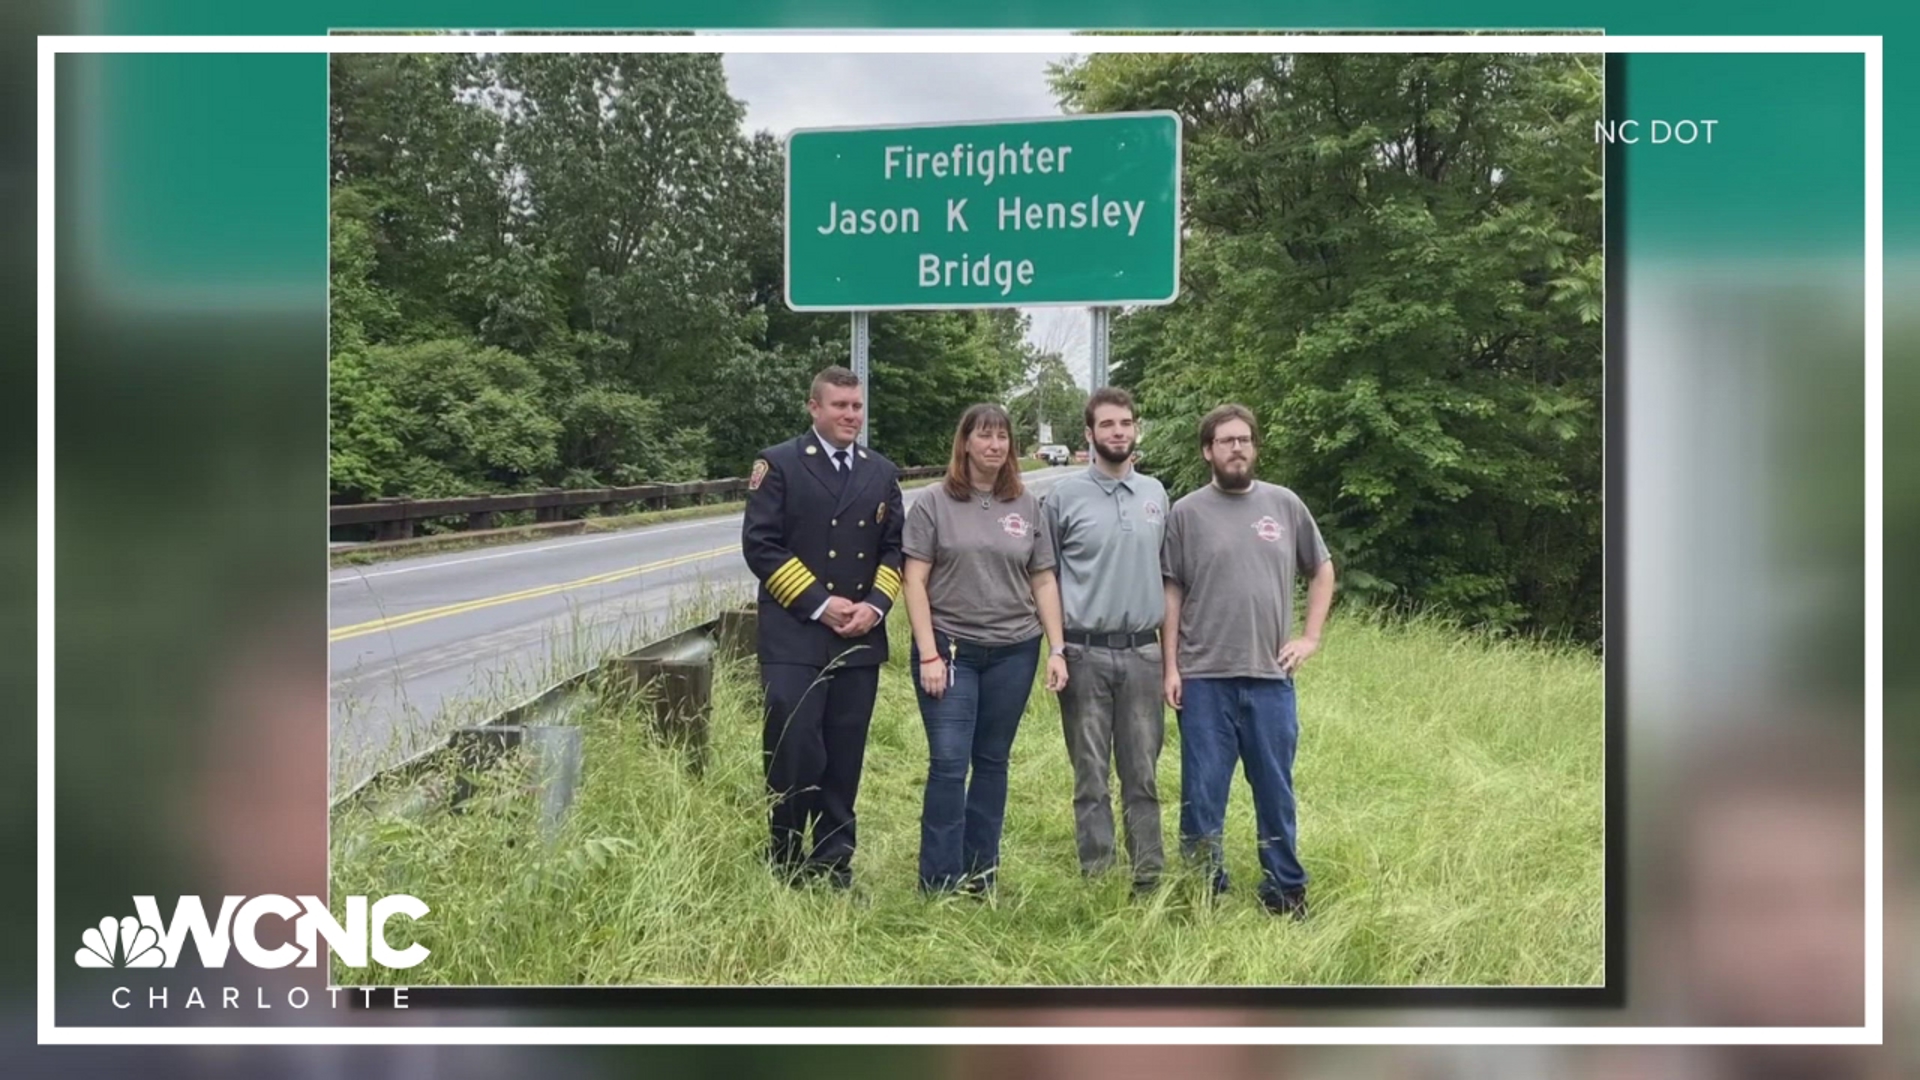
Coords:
420,644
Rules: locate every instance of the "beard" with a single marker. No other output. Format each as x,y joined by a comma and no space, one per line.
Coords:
1240,480
1114,457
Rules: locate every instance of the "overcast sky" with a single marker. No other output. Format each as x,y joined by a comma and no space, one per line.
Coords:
791,90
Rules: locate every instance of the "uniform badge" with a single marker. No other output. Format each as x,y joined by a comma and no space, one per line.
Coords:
1015,526
1268,529
880,514
759,474
863,455
812,449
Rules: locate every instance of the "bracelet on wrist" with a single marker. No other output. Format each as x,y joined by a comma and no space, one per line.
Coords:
931,660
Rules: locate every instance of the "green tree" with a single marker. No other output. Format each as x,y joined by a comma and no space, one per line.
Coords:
765,401
627,166
928,367
591,249
416,160
589,216
359,307
1049,396
1395,261
438,418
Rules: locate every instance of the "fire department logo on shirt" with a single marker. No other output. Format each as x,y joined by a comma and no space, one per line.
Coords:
1152,510
1268,529
1015,525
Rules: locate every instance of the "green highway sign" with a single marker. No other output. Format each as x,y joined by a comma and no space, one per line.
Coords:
1063,210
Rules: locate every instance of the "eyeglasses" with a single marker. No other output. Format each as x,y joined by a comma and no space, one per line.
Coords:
1231,441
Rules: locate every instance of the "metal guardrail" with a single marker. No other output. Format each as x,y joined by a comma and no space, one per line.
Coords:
394,518
675,671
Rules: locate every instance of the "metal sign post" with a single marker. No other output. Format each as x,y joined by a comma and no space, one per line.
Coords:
860,370
1099,351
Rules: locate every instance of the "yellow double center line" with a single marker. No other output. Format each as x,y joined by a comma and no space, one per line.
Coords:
414,618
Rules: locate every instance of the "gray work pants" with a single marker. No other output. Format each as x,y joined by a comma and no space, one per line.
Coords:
1111,712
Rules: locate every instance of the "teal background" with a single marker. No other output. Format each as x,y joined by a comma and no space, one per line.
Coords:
1786,174
182,203
1122,159
213,167
1901,58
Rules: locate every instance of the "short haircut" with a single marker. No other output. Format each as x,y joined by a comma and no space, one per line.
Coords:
1109,395
959,483
1212,421
831,376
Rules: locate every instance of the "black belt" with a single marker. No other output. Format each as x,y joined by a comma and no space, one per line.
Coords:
1112,641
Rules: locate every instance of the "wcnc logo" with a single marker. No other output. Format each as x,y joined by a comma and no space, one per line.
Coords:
150,942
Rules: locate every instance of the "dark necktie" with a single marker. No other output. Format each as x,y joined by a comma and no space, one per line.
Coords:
840,469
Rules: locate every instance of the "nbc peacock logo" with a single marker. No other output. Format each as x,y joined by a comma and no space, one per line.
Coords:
119,943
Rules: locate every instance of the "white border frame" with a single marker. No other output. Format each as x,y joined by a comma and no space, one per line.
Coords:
1179,225
1871,1033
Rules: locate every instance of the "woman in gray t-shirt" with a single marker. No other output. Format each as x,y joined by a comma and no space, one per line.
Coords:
979,590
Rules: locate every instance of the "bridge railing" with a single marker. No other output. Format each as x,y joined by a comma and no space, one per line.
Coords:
396,518
672,674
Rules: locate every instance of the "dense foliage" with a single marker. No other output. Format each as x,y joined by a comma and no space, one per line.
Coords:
1395,262
553,270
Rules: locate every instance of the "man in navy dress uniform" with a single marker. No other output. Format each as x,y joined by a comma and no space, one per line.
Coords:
822,533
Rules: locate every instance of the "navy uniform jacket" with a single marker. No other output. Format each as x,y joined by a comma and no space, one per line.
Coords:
805,545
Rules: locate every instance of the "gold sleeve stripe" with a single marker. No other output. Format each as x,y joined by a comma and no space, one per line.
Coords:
789,581
787,588
783,595
778,575
787,572
793,592
887,579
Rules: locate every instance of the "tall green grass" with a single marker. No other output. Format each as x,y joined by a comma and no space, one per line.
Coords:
1450,815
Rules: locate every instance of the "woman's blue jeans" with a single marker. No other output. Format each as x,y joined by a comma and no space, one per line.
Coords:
971,726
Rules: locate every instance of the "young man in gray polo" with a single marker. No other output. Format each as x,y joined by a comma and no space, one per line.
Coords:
1107,525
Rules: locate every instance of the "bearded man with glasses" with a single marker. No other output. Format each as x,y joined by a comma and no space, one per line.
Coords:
1228,561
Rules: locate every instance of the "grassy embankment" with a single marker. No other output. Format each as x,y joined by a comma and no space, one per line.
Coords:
1451,814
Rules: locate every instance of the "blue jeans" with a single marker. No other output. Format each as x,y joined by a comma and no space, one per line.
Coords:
1252,721
973,723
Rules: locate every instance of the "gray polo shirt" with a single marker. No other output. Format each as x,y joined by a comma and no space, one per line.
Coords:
1106,537
1235,558
980,584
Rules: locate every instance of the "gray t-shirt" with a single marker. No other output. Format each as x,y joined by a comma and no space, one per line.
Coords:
982,557
1234,558
1106,537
